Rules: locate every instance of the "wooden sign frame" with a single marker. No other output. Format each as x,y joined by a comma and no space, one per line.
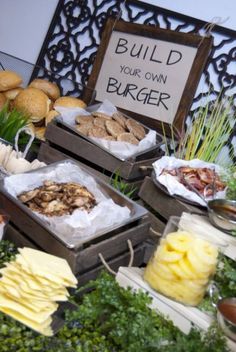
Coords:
202,44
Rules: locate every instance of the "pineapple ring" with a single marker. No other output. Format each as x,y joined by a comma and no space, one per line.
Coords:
205,251
164,271
179,241
187,268
157,282
164,254
194,286
178,271
200,268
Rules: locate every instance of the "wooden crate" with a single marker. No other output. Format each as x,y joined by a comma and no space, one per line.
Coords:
50,154
86,256
142,253
162,205
87,152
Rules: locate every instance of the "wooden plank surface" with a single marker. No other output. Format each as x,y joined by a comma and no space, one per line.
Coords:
114,264
15,236
111,247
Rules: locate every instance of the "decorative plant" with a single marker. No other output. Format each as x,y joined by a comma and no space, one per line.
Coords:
10,122
107,319
117,182
229,178
212,126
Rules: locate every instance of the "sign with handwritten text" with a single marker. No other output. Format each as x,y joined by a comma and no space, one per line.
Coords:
147,75
148,72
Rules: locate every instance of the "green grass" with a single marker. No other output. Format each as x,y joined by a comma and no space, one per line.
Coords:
10,123
212,125
117,182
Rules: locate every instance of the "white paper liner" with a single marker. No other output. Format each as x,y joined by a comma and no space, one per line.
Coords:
173,186
80,225
122,150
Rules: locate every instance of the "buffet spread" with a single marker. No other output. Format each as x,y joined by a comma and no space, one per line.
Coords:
71,218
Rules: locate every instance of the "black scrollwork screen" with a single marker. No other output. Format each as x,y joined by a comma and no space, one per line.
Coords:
75,32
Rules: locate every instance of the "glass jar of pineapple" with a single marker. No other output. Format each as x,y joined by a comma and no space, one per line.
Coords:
182,266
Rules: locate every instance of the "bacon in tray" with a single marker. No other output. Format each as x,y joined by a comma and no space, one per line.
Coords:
199,179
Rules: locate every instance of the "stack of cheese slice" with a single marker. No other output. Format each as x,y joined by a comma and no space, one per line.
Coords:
31,285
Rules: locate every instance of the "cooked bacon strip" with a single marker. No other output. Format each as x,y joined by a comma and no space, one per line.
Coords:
197,178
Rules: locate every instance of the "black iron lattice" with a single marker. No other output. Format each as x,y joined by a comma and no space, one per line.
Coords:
75,32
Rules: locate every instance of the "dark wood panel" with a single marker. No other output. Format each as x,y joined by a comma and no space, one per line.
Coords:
161,203
83,149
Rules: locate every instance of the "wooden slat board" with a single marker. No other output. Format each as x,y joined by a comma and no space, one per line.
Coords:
142,253
50,155
85,150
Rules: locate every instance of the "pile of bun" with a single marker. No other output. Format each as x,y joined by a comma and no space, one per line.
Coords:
39,100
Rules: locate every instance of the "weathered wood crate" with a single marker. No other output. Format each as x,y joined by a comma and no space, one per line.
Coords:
142,251
50,155
131,171
162,205
83,256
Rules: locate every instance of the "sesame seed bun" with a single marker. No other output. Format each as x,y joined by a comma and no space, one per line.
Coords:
69,102
49,88
9,80
33,102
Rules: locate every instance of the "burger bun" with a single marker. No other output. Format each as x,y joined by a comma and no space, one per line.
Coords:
49,88
9,80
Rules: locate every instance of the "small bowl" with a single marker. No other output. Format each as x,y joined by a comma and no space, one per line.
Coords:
226,316
222,214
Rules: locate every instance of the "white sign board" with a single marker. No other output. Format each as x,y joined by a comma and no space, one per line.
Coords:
147,75
150,73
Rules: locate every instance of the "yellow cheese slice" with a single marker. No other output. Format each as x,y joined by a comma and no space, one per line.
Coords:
44,329
47,265
24,288
34,281
39,317
35,306
30,286
8,288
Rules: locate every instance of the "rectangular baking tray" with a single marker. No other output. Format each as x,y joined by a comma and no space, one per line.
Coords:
137,211
135,157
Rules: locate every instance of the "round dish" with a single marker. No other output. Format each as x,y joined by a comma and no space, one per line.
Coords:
226,316
222,214
165,190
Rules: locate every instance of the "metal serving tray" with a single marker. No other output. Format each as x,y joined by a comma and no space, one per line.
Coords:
137,211
135,157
